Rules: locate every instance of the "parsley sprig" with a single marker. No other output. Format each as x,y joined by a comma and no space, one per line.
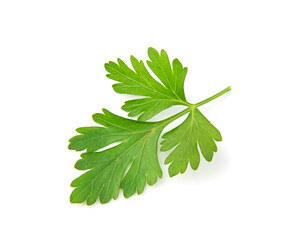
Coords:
133,163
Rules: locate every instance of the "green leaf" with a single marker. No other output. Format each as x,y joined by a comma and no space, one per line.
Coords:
139,82
195,131
133,162
136,152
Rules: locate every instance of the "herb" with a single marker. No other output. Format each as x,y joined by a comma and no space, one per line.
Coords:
133,163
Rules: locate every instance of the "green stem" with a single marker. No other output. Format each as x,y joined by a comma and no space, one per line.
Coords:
212,97
174,117
192,106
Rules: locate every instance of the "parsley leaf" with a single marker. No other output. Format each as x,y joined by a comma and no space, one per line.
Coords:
133,162
195,130
140,82
137,151
138,147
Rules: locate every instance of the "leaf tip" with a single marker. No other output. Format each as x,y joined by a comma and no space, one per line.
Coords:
172,174
152,51
105,111
132,58
163,52
70,146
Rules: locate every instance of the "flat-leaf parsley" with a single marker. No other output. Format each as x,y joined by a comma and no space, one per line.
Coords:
133,162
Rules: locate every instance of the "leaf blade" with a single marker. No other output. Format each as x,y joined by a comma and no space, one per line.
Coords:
106,173
195,131
139,82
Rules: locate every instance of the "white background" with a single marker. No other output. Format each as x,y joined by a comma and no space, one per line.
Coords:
52,80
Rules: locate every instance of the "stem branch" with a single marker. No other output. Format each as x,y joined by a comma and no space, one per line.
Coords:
174,117
192,106
213,97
